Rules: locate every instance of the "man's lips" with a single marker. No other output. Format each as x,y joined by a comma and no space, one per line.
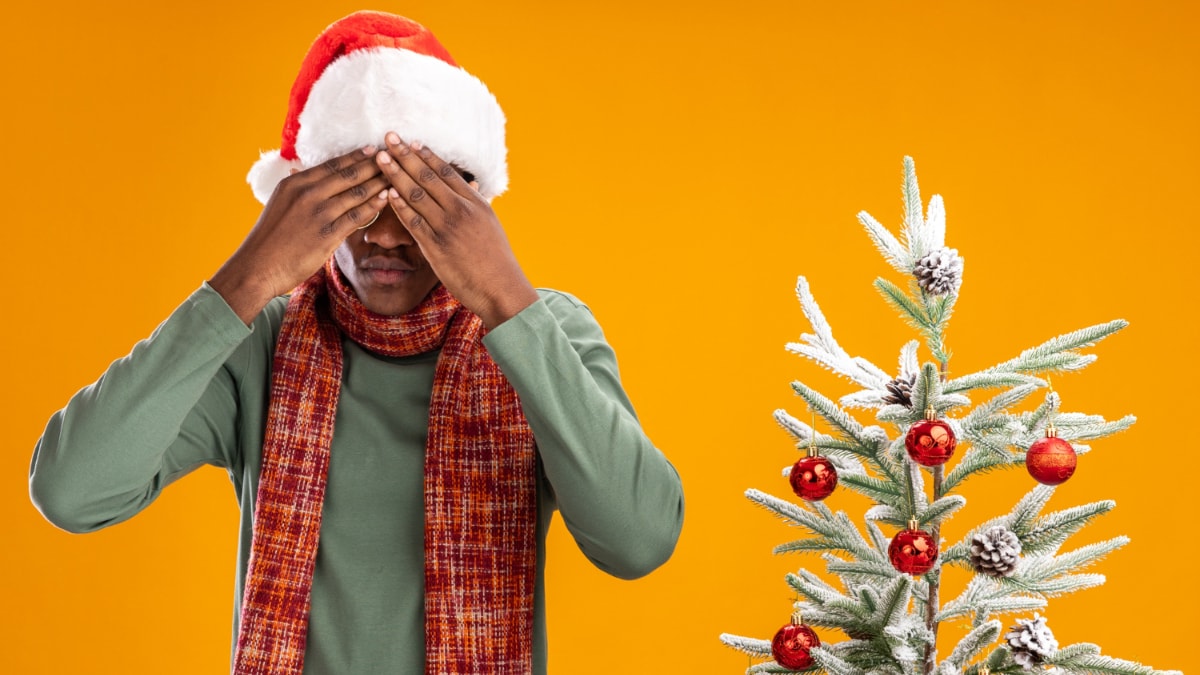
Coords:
386,264
386,271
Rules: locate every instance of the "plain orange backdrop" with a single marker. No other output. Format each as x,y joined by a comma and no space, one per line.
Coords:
676,165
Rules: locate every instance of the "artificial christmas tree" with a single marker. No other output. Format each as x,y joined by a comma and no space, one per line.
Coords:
888,606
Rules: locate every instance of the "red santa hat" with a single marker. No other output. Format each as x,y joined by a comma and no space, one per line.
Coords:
371,73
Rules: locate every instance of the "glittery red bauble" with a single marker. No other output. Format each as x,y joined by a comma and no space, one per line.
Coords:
813,478
792,644
913,552
930,442
1050,460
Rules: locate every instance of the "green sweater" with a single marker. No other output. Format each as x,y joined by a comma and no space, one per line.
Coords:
196,392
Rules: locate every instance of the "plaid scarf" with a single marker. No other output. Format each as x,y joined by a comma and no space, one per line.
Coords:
480,472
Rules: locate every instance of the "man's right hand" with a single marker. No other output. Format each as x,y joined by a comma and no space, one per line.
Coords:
307,217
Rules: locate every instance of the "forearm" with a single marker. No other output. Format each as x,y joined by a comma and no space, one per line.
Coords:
105,455
618,495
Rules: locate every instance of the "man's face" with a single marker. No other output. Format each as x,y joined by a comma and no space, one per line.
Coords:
385,267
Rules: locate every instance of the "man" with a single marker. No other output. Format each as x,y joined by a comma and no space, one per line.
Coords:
414,406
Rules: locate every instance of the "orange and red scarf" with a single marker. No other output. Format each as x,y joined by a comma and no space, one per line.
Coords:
480,473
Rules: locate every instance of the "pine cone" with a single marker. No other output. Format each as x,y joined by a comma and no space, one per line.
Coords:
900,390
995,552
940,271
1030,641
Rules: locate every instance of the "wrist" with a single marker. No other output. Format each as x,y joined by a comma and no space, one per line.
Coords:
244,292
507,305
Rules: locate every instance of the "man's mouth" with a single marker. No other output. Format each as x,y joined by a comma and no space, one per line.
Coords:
386,271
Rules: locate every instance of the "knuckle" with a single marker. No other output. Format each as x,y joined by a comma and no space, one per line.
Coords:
349,172
359,191
425,175
416,194
446,171
416,221
318,208
326,229
331,165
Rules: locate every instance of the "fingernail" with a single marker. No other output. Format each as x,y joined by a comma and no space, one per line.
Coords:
393,194
368,150
383,194
392,138
415,145
385,158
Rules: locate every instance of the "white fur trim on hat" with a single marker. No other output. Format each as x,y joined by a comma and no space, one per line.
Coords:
365,94
267,172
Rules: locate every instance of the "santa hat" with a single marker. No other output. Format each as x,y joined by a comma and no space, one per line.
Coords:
371,73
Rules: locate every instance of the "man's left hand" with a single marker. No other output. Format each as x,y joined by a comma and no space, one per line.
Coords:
457,231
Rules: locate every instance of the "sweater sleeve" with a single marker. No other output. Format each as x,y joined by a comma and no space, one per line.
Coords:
167,408
619,497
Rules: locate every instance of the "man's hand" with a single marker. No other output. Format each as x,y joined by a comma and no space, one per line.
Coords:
457,231
304,221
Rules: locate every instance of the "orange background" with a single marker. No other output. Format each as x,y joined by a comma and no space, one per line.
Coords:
676,165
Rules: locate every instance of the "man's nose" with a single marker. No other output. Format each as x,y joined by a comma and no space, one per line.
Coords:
387,231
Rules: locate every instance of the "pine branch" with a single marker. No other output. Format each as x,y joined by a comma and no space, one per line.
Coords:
938,308
1087,663
879,541
909,365
974,642
886,243
1057,353
1026,510
864,572
813,587
825,350
989,380
835,532
875,489
1051,588
1091,427
914,490
981,458
935,223
1050,531
891,515
996,406
824,659
745,645
913,229
1036,420
810,545
832,414
867,398
909,310
772,667
1037,568
892,602
926,390
941,510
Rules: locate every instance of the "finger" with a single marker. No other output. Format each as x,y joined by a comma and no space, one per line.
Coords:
427,170
339,173
357,216
415,197
416,224
363,193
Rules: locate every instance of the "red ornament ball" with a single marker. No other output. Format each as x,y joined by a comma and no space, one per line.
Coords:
913,551
1051,460
930,442
813,478
792,645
